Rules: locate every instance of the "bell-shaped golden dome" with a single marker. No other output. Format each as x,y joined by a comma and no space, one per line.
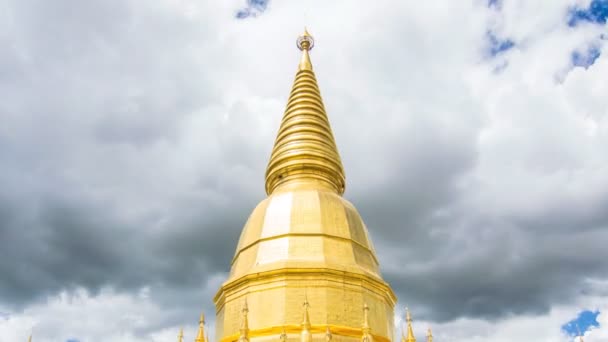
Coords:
306,228
304,241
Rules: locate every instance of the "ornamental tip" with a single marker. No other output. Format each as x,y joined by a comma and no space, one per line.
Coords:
305,41
366,326
306,318
328,335
200,336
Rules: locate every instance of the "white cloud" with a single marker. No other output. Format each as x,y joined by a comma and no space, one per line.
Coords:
180,106
107,316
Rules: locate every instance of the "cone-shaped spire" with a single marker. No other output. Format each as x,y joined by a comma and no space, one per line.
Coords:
305,150
180,337
366,330
429,335
306,335
201,336
244,330
283,336
29,339
410,332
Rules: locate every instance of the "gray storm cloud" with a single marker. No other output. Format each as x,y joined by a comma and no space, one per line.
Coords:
135,135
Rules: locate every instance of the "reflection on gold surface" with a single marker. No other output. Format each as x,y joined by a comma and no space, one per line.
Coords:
305,243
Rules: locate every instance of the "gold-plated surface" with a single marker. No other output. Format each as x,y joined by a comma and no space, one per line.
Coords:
306,335
366,330
429,335
305,149
304,242
244,330
201,336
180,336
410,331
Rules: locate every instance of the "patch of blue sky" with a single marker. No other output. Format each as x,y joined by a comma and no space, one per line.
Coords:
585,58
498,45
494,3
584,321
252,9
596,13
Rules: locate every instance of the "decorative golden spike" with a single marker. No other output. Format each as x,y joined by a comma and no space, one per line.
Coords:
305,43
180,337
410,332
306,335
201,336
366,330
429,335
244,330
283,336
328,335
305,152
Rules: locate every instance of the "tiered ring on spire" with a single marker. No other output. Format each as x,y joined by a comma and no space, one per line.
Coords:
305,150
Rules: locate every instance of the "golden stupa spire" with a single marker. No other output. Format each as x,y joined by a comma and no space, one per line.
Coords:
305,151
306,335
180,337
244,330
366,330
410,332
201,337
429,335
29,339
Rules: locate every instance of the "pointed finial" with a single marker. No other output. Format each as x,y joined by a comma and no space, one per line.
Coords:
283,336
180,337
29,339
306,335
201,336
410,332
429,335
366,329
244,330
328,335
305,43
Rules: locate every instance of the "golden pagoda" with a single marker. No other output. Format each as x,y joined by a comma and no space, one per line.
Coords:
305,243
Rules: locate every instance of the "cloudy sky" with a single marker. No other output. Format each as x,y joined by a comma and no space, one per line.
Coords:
134,137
